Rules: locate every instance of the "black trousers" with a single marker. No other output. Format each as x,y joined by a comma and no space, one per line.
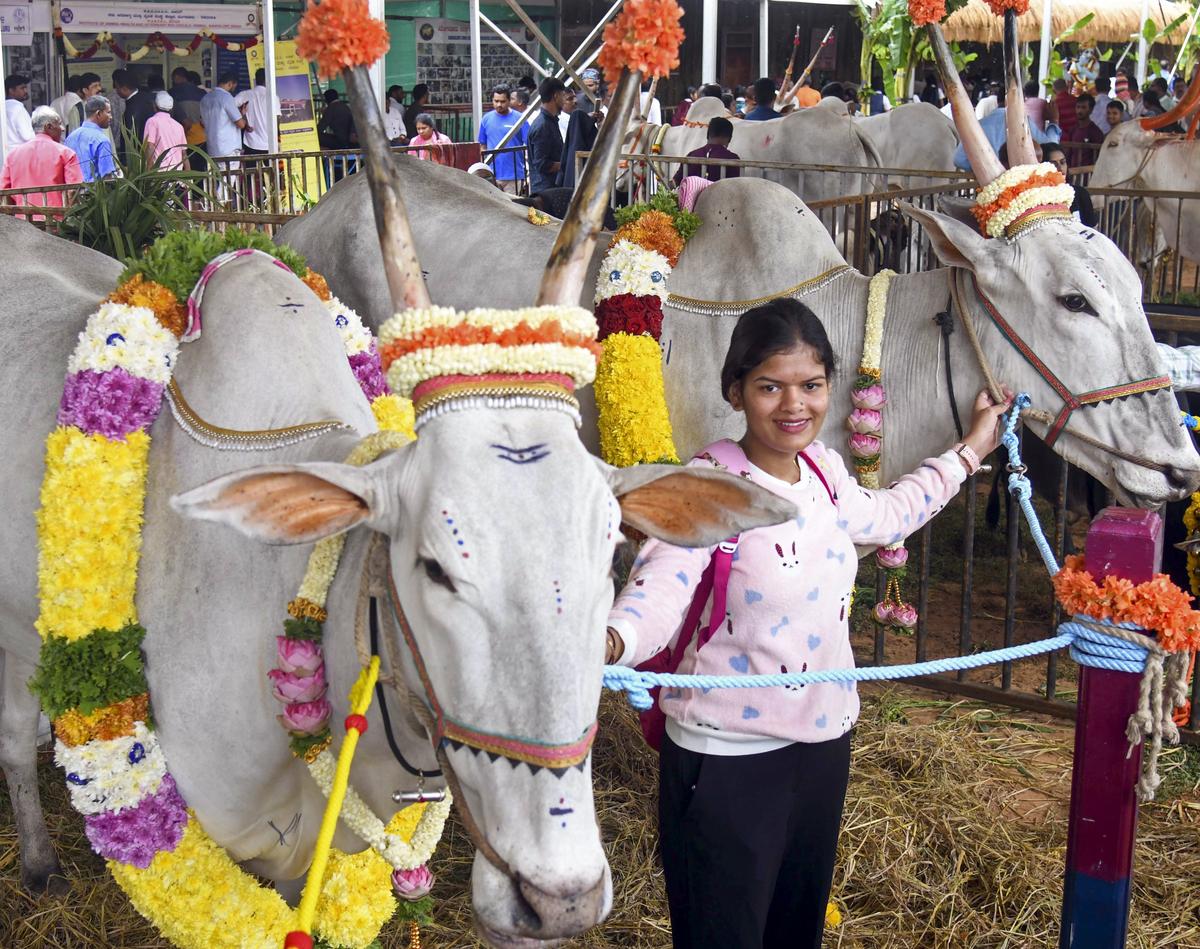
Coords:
748,843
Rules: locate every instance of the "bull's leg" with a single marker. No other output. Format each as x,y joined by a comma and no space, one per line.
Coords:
40,869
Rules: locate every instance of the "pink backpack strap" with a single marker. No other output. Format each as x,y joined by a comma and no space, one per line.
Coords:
815,468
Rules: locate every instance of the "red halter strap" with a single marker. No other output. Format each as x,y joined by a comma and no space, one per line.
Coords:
558,758
1071,401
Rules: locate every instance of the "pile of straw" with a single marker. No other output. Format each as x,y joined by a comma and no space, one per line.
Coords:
954,836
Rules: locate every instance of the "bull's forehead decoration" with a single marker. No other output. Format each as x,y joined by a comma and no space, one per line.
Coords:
448,360
1021,199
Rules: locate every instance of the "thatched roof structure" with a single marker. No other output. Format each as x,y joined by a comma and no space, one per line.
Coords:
1115,21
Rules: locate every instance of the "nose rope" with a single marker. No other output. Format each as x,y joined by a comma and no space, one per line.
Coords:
1057,424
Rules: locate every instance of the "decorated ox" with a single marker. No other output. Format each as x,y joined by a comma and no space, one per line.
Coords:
499,530
1137,157
915,135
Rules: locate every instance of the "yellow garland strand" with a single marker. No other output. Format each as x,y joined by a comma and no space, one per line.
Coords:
634,425
1191,518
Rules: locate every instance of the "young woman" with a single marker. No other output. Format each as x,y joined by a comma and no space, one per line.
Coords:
752,781
428,135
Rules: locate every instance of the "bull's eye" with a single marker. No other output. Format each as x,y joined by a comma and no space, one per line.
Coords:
1077,303
435,573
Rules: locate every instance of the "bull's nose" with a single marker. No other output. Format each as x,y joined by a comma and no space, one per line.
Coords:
1183,479
568,914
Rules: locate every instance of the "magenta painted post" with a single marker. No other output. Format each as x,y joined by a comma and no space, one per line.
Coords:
1103,817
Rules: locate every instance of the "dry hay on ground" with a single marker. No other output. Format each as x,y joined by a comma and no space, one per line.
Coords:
954,836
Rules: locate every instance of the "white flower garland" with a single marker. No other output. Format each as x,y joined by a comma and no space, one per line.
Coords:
411,323
631,268
1009,178
1060,195
358,816
129,338
110,775
408,371
355,336
877,293
322,567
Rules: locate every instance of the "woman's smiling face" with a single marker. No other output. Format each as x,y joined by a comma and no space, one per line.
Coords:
785,398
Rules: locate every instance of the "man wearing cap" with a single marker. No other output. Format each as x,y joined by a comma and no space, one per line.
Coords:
17,125
482,169
165,136
510,166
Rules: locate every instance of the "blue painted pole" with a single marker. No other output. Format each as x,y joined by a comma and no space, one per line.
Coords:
1102,823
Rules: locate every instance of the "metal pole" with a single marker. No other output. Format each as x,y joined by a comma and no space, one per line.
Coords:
4,123
764,38
268,34
1047,43
536,101
708,42
1102,822
544,40
476,70
1175,71
377,70
513,43
1143,46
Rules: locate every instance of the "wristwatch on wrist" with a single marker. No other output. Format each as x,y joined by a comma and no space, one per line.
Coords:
970,460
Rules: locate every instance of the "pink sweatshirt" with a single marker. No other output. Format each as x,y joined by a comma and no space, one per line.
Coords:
787,609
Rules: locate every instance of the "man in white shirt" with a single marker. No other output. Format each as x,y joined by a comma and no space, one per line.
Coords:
651,111
18,126
222,118
393,116
69,105
255,139
989,103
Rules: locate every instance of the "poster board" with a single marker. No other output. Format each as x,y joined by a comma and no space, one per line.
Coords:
297,120
443,49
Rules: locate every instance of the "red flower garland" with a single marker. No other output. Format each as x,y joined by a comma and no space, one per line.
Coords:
627,313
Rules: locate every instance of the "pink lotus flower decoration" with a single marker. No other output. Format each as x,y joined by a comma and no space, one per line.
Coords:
871,397
306,718
302,657
891,558
883,613
865,421
864,446
413,885
904,616
290,687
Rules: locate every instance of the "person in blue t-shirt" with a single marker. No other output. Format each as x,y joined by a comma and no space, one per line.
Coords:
91,142
509,166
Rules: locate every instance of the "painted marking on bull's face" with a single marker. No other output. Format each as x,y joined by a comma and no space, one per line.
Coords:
561,810
456,535
522,456
558,598
288,304
291,828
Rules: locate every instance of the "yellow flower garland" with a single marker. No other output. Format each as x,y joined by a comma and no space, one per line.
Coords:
636,430
1191,518
89,525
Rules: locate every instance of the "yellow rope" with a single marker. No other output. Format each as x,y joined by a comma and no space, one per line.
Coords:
360,701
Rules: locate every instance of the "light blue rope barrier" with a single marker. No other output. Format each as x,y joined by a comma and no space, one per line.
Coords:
1088,646
1020,486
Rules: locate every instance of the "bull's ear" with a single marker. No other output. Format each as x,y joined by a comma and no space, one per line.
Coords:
692,507
955,243
288,504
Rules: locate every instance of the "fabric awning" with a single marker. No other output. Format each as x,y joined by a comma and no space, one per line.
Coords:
1116,21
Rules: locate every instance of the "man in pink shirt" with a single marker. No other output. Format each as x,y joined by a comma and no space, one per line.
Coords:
165,135
42,161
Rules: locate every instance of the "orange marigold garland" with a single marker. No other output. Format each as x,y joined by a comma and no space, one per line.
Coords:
998,7
317,284
339,34
655,231
1157,606
924,12
645,37
138,291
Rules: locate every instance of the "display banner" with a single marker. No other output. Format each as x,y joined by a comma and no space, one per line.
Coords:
444,58
88,16
16,22
297,119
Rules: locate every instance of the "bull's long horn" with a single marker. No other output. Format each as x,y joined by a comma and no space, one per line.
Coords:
1020,144
984,162
1190,100
568,263
406,285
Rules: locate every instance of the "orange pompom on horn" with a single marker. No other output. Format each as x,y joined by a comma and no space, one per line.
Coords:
338,35
644,37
